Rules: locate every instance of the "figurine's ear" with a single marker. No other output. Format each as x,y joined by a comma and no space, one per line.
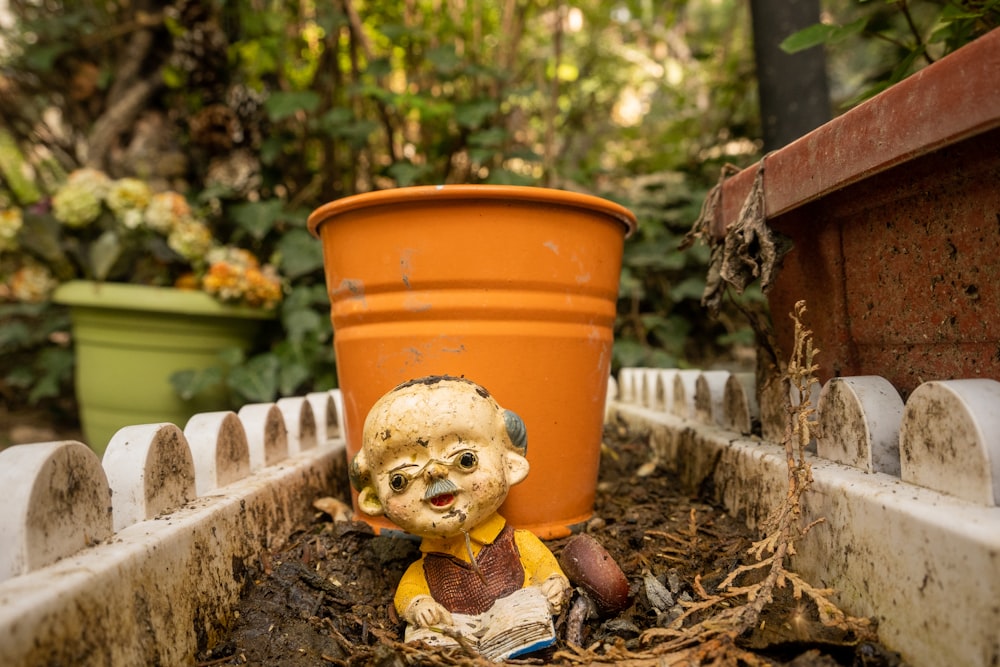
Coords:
516,431
357,472
369,503
517,467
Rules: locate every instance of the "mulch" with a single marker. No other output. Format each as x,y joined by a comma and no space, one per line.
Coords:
326,596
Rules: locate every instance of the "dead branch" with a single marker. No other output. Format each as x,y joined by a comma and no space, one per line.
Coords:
720,618
119,116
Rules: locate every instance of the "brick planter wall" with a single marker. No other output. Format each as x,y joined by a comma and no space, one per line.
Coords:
894,211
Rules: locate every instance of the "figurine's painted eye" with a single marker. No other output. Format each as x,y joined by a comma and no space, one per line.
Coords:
398,482
468,460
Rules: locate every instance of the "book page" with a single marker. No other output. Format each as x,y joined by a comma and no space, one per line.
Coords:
519,623
514,625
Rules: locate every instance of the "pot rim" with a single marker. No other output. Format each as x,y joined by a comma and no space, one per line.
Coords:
427,193
132,296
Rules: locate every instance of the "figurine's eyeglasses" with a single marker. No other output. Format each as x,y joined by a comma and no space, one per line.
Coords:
465,460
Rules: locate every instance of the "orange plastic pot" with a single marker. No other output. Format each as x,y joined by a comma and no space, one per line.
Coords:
512,287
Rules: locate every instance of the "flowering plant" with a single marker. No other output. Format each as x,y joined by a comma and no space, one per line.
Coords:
101,229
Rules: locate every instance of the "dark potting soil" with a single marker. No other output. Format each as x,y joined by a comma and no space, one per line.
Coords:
326,598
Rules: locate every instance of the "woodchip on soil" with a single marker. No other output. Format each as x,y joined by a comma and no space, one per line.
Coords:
326,597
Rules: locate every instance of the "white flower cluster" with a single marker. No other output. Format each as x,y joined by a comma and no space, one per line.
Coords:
32,282
190,239
79,203
90,206
128,199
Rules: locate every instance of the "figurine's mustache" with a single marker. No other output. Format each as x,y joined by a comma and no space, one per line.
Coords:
440,486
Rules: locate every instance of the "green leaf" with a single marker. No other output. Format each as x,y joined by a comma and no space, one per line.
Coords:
330,18
379,67
21,377
357,133
271,149
104,252
285,104
821,33
508,177
12,169
814,35
394,30
743,337
173,77
671,333
301,322
13,334
301,253
333,120
258,218
406,173
56,364
257,380
444,59
474,114
849,30
232,356
660,359
628,353
902,69
691,287
293,376
190,382
340,123
41,235
44,57
655,254
488,138
299,297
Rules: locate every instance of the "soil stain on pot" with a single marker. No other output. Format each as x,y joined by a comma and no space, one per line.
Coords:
326,598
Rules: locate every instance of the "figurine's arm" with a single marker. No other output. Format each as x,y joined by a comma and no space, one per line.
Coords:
541,568
413,599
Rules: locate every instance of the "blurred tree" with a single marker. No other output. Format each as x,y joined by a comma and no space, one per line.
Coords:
794,95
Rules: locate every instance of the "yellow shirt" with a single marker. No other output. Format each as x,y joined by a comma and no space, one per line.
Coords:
538,562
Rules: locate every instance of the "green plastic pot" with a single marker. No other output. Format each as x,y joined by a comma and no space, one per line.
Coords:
130,339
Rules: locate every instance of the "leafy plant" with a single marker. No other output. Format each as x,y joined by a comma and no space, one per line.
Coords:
899,36
38,361
260,112
120,231
661,321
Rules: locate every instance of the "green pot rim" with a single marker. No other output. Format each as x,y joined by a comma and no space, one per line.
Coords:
126,296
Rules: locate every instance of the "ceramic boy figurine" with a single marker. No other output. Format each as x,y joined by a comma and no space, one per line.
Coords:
438,458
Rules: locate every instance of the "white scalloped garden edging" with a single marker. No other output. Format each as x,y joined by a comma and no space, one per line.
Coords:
140,559
909,494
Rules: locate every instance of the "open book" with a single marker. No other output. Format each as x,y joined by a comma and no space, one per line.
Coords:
517,624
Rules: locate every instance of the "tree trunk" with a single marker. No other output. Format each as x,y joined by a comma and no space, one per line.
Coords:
794,95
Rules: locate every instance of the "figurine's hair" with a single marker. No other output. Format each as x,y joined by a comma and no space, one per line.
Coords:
434,379
359,474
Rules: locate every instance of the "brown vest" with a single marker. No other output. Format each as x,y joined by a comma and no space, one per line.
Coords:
457,586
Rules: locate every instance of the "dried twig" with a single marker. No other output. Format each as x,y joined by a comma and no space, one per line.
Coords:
782,530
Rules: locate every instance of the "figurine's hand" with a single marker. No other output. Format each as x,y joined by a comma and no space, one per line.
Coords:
424,612
555,589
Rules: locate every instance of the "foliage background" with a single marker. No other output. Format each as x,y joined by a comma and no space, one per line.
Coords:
262,110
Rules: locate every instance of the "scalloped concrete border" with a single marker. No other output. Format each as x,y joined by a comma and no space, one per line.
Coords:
190,522
919,550
141,559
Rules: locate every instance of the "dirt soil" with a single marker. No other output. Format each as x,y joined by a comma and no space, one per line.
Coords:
326,598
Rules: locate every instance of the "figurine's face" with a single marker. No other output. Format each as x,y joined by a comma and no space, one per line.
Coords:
439,459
